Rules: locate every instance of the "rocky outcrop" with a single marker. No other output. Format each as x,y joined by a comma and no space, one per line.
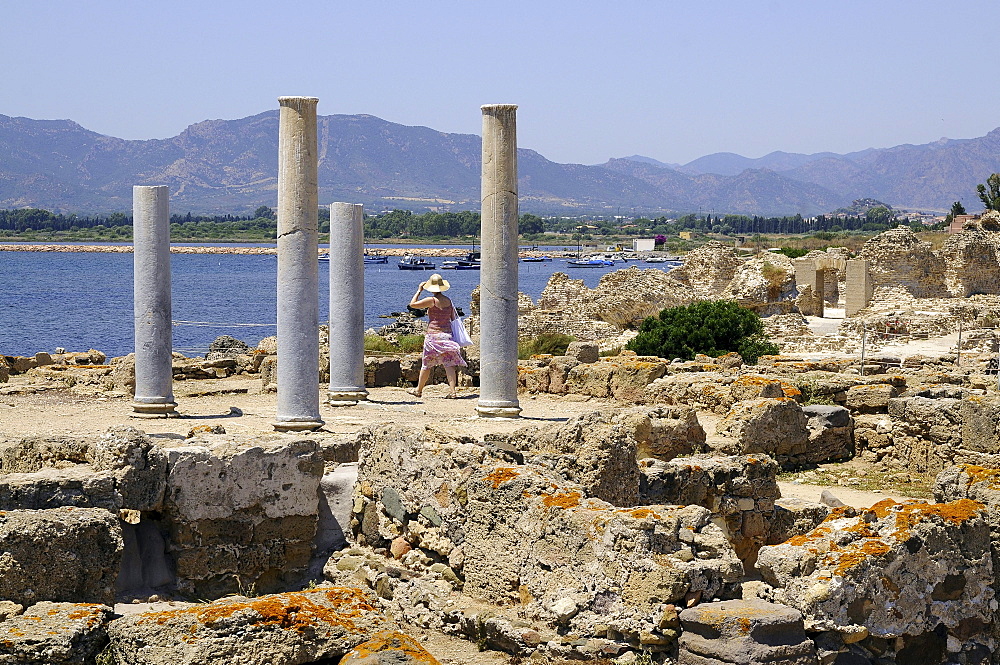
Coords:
776,427
54,634
294,628
765,284
63,554
513,531
858,572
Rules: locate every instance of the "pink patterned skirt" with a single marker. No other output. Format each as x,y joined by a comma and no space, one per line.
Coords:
440,349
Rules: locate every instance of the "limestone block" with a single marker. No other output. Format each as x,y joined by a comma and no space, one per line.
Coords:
259,497
123,374
55,634
559,369
139,467
870,398
21,364
391,646
380,371
596,450
269,373
76,486
709,391
926,434
752,386
585,352
793,517
293,628
32,453
336,503
4,370
831,433
592,379
667,431
744,632
632,375
858,570
533,375
63,554
731,487
776,427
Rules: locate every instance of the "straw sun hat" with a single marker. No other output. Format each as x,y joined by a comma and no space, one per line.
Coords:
437,284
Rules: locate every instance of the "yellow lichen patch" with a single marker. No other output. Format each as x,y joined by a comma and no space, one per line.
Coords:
562,500
392,641
790,391
815,534
296,612
499,476
981,474
909,515
849,558
643,513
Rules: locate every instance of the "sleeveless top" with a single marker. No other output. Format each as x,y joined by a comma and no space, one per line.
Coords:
439,320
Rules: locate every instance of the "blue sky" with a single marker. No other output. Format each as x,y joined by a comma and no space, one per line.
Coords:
670,80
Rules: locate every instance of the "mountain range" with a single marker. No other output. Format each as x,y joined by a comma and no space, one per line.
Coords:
230,166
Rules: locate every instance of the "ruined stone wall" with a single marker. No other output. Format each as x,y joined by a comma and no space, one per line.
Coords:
900,262
971,263
709,269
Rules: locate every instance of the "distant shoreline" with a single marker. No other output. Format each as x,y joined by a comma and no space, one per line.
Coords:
322,251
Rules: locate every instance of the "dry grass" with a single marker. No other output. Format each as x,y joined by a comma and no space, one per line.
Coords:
860,476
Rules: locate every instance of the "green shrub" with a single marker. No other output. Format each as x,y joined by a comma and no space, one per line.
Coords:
551,343
379,344
712,327
410,343
793,252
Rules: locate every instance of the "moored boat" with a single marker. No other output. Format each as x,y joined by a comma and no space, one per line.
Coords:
415,263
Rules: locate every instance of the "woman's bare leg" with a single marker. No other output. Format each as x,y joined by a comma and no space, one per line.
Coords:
449,370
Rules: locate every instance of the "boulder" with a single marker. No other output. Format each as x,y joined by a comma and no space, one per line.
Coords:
4,370
226,346
269,374
559,368
138,467
869,398
831,433
744,632
63,554
585,352
55,634
390,647
776,427
794,517
382,371
35,452
858,571
290,628
927,435
123,374
260,501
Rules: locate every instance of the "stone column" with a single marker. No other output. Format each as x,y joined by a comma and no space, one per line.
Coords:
498,275
298,267
347,304
810,272
154,379
858,292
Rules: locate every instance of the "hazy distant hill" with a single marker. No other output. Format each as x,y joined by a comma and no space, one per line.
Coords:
231,166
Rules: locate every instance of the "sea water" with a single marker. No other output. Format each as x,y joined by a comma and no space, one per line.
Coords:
82,300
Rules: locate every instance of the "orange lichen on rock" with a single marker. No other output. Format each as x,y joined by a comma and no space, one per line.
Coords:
849,558
498,477
643,513
391,641
562,499
982,474
296,612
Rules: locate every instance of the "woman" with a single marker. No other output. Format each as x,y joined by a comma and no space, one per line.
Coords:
439,347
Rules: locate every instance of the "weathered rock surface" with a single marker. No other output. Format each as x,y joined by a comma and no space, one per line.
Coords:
389,648
239,515
831,433
744,632
898,260
54,634
63,554
511,532
892,570
709,269
741,490
290,628
776,427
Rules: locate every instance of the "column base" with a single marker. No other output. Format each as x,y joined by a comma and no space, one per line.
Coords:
154,409
297,425
346,397
486,411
